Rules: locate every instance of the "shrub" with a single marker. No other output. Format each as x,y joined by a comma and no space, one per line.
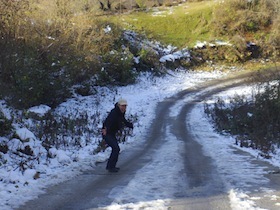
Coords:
43,55
273,47
74,130
255,123
237,16
141,3
249,19
118,68
148,60
5,125
63,131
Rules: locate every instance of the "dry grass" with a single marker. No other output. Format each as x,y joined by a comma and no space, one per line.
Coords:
256,21
62,42
54,42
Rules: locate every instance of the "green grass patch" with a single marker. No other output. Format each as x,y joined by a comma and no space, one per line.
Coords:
180,26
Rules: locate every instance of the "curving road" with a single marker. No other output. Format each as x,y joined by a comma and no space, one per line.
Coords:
199,186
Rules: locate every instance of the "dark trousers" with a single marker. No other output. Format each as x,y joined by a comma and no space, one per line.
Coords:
112,141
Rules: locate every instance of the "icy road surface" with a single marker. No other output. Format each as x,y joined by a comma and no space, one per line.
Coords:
173,169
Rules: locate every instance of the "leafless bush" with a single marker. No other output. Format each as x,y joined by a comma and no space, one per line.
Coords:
254,122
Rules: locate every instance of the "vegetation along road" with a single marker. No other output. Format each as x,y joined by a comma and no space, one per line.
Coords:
199,186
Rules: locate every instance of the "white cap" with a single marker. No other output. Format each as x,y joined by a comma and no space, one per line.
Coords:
122,102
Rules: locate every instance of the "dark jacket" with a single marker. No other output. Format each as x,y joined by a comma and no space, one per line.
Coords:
115,121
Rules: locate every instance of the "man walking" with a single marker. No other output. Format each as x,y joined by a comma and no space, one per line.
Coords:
112,124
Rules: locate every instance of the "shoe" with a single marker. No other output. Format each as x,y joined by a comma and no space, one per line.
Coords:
113,170
107,168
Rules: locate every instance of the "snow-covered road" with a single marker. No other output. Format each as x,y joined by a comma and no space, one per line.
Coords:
179,163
